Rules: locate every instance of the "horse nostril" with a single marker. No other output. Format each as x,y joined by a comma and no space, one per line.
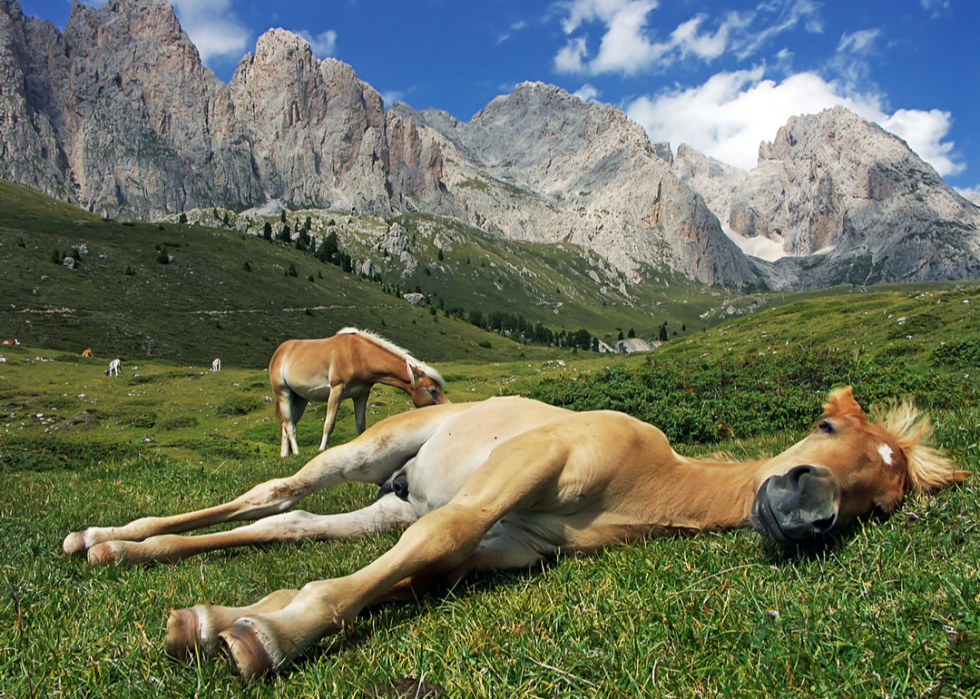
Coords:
796,473
823,525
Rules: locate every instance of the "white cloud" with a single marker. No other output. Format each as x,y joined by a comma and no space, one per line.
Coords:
628,47
850,60
515,27
971,193
924,131
213,27
587,93
569,57
935,7
733,112
860,42
323,44
392,96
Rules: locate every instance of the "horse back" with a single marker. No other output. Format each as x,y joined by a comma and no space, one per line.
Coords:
314,366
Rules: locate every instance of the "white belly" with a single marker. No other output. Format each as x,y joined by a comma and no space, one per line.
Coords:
463,444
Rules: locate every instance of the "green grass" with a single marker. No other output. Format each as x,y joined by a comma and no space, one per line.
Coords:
890,609
202,305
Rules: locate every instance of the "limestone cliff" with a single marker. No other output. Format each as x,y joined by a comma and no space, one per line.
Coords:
118,115
835,198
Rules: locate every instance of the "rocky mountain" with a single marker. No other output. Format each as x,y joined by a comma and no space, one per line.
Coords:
834,199
118,115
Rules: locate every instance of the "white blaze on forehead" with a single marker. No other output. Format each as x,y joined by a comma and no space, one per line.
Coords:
886,453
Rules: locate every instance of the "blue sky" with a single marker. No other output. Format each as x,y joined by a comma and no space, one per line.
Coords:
720,76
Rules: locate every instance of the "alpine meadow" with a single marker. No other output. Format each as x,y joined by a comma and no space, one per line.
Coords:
886,608
799,323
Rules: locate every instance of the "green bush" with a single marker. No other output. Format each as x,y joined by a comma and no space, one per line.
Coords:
702,402
957,354
180,422
239,406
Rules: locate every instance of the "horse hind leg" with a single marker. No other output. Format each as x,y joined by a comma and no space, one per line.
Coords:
330,418
291,408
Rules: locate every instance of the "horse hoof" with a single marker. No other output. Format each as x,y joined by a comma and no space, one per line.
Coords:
104,554
190,629
74,544
182,634
245,645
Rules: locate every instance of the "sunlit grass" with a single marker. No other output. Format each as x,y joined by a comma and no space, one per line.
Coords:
888,610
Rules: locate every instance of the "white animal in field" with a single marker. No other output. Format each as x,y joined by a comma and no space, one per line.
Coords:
113,369
216,365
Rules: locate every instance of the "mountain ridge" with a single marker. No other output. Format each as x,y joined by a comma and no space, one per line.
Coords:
117,114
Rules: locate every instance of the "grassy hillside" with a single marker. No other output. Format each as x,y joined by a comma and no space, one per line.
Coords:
889,608
225,292
121,301
934,325
560,285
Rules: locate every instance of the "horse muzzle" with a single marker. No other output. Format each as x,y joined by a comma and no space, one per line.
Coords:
802,504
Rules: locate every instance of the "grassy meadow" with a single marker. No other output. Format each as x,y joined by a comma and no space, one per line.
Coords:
887,609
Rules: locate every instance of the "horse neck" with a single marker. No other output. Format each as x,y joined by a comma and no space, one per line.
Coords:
390,369
712,494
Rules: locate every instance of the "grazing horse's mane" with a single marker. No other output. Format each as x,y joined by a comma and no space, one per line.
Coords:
928,467
411,361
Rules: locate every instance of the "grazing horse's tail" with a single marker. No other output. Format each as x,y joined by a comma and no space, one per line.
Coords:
280,418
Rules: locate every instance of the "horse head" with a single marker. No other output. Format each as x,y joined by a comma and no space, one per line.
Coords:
427,386
848,468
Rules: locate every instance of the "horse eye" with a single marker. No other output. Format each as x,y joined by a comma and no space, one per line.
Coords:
825,426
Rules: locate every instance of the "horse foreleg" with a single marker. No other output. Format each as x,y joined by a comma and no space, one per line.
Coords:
330,419
441,541
388,513
200,625
372,457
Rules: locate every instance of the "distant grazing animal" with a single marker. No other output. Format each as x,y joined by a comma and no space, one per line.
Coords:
216,365
87,352
506,482
113,369
344,366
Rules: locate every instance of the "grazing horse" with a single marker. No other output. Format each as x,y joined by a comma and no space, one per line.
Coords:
113,369
346,365
216,365
507,481
87,352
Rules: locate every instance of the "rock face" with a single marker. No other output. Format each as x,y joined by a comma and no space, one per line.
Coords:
542,165
317,132
118,115
834,199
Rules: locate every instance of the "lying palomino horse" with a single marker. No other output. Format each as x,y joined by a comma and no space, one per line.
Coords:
344,366
505,482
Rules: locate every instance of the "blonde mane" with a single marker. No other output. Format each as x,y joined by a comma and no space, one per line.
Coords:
928,467
390,346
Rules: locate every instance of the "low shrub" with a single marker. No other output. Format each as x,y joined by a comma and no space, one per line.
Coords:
700,402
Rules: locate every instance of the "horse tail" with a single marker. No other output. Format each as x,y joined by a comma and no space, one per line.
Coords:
280,419
279,384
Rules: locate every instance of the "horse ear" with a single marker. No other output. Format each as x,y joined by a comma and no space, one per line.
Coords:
416,373
841,402
957,477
